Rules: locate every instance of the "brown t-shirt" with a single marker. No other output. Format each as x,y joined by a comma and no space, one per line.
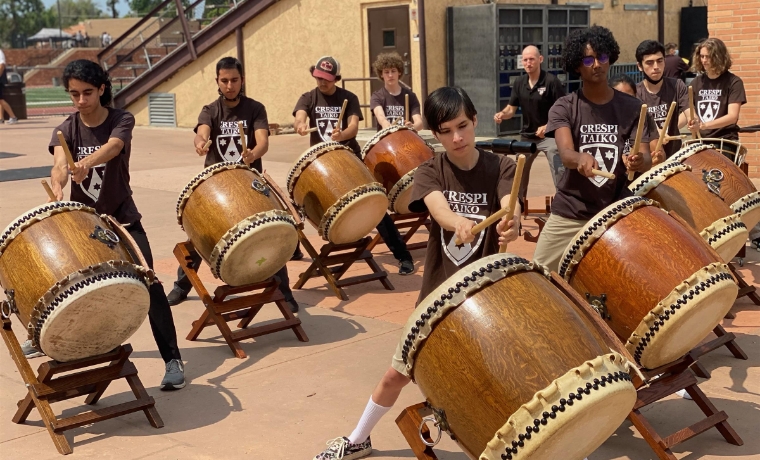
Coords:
711,99
106,187
226,144
659,104
393,106
324,110
605,131
474,194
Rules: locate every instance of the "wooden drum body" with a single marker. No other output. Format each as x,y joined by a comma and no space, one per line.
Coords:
337,193
723,176
392,156
676,189
237,223
655,282
72,280
512,367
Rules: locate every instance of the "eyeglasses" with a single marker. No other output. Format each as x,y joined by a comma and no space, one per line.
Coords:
588,61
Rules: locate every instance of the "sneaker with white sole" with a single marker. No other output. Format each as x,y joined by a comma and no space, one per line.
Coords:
12,121
343,449
684,394
174,379
30,351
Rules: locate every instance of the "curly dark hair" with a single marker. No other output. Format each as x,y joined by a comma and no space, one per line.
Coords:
89,72
388,61
601,41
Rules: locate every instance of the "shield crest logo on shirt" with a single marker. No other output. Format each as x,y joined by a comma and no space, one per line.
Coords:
708,110
325,127
607,157
94,182
459,254
541,91
229,147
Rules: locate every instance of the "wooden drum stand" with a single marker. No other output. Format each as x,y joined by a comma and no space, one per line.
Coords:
657,384
44,388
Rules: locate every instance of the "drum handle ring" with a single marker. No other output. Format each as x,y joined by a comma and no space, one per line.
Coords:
8,307
430,418
106,236
260,187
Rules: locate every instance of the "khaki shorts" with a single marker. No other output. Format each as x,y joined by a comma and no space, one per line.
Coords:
556,235
397,362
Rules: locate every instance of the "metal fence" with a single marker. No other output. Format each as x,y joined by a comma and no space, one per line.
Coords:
632,70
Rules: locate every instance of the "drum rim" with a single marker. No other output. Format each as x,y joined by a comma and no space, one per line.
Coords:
201,177
587,236
311,154
651,179
37,214
333,212
739,155
470,279
746,203
242,228
59,292
688,151
400,187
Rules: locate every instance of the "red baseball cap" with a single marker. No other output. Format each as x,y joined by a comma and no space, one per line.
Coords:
327,68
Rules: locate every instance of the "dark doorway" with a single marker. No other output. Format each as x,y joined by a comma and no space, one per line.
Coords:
388,32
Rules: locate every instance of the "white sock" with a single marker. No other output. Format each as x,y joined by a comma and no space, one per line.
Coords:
372,414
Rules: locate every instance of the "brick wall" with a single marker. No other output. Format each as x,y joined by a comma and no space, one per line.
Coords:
737,23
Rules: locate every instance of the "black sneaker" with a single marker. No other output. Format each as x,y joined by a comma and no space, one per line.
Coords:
293,305
756,243
29,351
406,267
298,255
176,297
174,379
343,449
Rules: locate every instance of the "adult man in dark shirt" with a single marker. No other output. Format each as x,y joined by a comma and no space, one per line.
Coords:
218,122
658,91
321,106
674,65
535,92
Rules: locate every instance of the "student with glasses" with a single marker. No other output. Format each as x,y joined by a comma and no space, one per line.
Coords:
594,128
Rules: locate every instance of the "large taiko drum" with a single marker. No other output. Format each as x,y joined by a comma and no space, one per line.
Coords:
655,282
337,193
512,368
733,150
723,176
237,223
676,189
73,280
392,156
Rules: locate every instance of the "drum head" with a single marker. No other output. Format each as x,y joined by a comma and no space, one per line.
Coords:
354,215
727,236
401,194
748,208
94,319
258,253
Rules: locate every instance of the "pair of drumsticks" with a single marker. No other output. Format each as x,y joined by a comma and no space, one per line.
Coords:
340,118
69,160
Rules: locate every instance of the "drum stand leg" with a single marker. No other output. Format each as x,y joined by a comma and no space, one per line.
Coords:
726,339
540,221
44,388
409,421
744,288
220,312
333,266
665,381
412,222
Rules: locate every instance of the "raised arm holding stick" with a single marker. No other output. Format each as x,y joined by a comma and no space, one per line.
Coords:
639,132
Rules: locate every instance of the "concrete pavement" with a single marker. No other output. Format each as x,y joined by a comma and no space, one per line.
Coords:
287,398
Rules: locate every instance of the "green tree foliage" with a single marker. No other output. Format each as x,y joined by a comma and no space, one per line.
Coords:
140,7
73,12
20,19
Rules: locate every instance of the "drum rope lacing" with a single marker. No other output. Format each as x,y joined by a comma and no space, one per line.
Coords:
308,157
497,264
751,203
643,181
399,188
671,310
600,222
203,175
736,225
34,330
563,402
217,267
42,210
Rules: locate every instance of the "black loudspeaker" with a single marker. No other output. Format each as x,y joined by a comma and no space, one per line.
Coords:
693,29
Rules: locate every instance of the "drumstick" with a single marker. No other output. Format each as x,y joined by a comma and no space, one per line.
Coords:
503,211
513,194
675,138
639,132
311,130
598,172
49,190
406,107
65,146
241,132
664,132
694,133
207,145
340,116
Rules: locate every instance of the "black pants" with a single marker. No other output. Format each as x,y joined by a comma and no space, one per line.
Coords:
387,229
160,314
183,283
